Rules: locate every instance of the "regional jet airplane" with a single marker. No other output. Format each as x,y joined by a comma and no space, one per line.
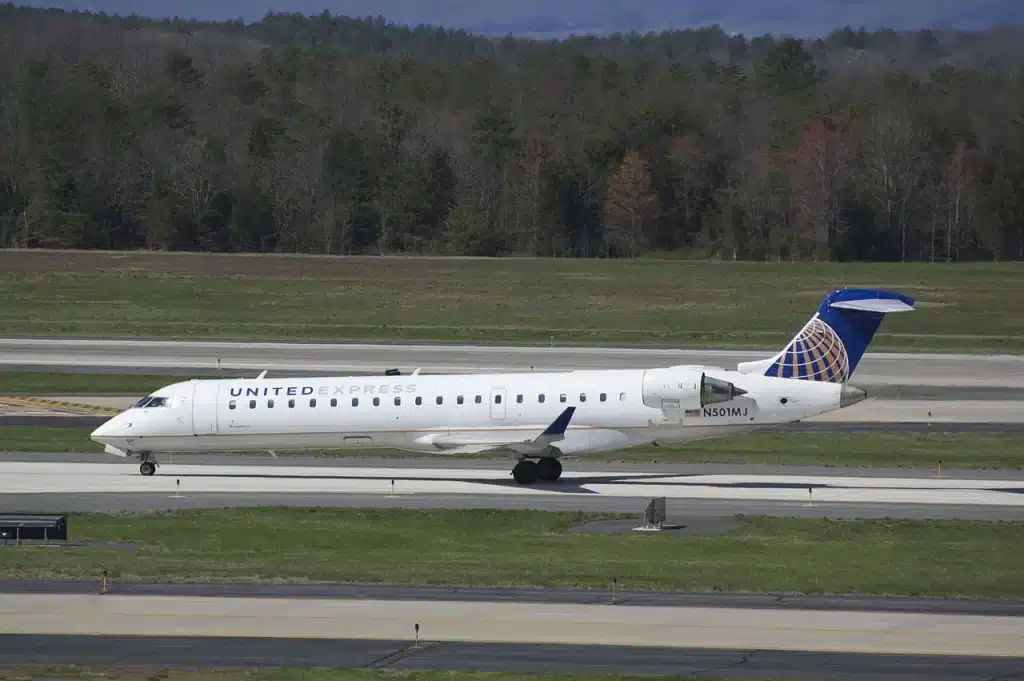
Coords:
532,418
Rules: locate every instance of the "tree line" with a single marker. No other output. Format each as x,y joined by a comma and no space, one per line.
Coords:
332,135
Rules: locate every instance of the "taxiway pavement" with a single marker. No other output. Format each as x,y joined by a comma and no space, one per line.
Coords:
876,369
43,483
402,655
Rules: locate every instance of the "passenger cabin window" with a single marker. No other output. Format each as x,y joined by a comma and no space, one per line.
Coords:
312,402
497,399
561,398
398,401
459,399
479,399
622,397
231,404
604,396
252,404
334,401
355,401
419,400
270,403
376,401
440,399
291,404
519,399
583,397
540,398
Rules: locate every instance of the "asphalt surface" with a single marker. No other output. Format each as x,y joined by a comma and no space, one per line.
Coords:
932,606
571,497
398,655
678,510
875,369
439,463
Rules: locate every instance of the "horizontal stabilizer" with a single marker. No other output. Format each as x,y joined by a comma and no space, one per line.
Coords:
874,305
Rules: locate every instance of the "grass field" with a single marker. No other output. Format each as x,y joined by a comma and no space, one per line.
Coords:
77,673
885,450
964,307
51,383
533,548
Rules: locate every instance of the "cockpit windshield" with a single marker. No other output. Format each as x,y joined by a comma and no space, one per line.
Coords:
151,402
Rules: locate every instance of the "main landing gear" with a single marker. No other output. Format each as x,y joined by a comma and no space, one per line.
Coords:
149,464
527,472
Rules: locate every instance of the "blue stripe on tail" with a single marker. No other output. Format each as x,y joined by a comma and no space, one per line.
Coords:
831,344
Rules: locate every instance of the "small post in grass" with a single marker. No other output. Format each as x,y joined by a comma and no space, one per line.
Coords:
417,627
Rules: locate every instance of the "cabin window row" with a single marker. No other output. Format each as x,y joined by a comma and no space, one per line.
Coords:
603,397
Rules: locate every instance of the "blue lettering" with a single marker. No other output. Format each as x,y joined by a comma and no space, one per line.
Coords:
291,390
306,390
277,390
252,392
236,392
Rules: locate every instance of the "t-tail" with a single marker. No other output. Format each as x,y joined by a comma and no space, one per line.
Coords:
830,346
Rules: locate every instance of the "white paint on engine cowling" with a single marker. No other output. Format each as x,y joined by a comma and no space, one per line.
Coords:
685,388
673,387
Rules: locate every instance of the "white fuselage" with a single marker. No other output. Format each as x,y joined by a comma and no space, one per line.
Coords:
452,413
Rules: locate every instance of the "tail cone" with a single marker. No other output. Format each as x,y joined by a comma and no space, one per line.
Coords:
850,396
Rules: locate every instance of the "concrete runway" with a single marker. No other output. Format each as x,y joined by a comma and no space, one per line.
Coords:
45,483
876,369
525,630
461,621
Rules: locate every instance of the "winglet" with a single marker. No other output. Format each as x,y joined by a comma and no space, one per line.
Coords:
559,425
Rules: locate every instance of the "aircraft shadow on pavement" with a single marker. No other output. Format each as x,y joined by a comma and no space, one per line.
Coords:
568,484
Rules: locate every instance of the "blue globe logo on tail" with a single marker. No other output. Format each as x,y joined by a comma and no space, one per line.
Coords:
830,345
816,353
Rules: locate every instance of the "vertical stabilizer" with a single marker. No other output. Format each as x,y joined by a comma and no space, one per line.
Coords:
830,345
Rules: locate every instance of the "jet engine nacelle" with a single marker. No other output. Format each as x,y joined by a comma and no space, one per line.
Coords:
682,388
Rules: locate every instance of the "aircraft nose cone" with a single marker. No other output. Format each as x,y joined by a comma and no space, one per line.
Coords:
850,396
102,432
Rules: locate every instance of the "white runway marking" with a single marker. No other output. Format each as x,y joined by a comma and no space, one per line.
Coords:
87,478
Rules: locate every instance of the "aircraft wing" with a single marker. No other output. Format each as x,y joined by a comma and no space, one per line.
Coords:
471,443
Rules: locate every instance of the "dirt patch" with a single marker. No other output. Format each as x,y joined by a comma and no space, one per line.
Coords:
683,527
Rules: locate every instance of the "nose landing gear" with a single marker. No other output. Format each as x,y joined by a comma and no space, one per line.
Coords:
149,464
527,472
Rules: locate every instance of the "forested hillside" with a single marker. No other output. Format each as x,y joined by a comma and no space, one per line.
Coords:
331,135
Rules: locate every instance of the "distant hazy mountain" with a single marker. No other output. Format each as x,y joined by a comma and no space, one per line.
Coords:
556,18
